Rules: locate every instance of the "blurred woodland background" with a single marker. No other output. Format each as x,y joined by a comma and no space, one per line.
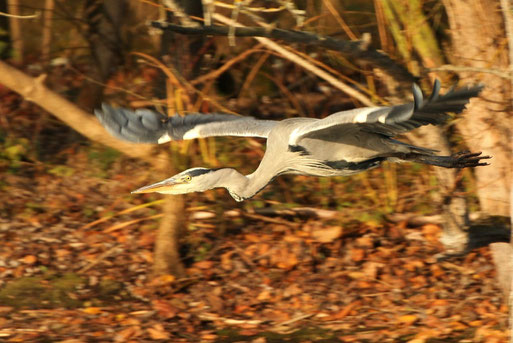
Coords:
403,253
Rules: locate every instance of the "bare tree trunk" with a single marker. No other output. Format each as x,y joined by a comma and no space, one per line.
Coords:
411,31
104,19
47,30
477,30
167,257
15,29
4,31
507,13
167,246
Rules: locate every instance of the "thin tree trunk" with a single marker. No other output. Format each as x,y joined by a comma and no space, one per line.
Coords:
47,30
167,247
4,31
166,254
105,20
15,28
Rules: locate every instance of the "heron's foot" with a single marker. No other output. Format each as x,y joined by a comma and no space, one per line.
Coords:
465,159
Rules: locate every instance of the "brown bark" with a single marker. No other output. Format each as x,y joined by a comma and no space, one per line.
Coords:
477,32
104,22
410,28
46,41
166,254
15,30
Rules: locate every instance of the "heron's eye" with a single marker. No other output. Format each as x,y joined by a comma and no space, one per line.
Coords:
187,178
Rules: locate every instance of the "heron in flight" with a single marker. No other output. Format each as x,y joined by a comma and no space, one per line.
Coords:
341,144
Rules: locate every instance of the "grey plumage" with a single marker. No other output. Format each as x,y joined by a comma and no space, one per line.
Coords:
343,143
147,126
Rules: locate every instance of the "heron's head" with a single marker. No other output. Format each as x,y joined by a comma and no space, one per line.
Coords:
191,180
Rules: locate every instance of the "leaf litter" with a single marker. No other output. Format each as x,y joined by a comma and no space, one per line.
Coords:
75,249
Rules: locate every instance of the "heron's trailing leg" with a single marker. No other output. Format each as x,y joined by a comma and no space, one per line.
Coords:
462,159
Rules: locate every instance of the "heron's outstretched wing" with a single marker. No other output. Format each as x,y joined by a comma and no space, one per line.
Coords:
147,126
393,120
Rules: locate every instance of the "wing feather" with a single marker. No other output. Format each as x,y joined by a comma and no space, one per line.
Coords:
147,126
394,120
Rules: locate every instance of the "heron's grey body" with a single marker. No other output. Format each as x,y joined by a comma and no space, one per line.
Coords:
343,143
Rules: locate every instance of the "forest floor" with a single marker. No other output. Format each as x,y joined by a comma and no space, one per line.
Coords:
257,279
75,268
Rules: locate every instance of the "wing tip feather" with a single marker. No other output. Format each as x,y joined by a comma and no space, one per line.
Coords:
418,97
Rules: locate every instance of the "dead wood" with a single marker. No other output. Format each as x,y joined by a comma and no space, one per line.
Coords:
34,90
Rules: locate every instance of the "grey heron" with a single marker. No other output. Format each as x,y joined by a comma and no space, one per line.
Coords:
344,143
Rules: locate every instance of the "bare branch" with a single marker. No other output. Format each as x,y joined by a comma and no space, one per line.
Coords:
180,13
34,90
294,57
30,16
358,50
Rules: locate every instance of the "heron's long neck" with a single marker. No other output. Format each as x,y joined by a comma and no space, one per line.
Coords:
244,186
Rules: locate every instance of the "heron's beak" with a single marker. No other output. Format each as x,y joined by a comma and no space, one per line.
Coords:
158,187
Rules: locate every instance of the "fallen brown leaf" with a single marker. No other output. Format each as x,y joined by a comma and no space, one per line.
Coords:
327,235
29,259
408,319
164,309
157,332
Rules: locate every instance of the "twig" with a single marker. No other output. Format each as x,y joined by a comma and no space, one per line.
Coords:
253,72
251,9
243,256
122,225
413,219
301,211
106,85
230,321
305,64
270,220
99,259
447,67
296,319
128,210
339,19
180,13
180,82
227,65
16,16
298,211
355,49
